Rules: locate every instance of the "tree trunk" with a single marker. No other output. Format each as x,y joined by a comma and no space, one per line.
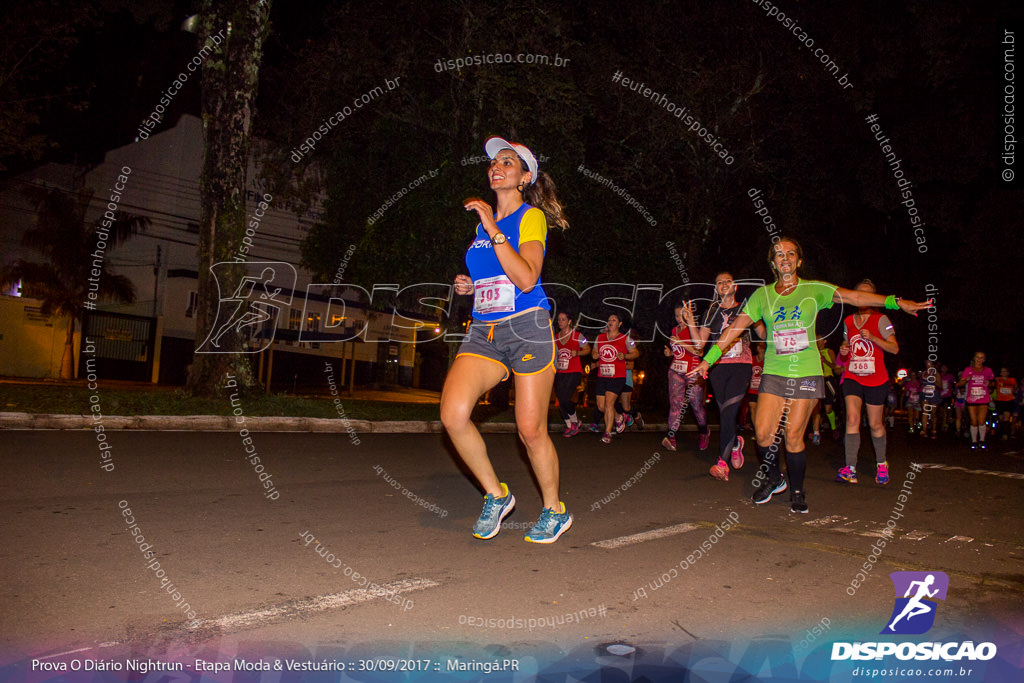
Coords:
230,80
67,361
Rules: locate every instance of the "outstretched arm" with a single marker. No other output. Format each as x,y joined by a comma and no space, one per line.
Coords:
858,298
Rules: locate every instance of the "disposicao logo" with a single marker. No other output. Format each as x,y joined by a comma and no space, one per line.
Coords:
913,614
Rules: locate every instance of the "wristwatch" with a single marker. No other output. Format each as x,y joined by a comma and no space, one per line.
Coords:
499,238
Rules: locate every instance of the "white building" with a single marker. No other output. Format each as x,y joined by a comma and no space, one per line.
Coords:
159,178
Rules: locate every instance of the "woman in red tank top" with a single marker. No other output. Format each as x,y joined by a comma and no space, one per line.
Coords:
611,350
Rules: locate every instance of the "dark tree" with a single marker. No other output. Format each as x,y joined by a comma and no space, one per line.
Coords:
230,79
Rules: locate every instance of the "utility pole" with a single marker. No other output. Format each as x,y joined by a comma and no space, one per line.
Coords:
156,280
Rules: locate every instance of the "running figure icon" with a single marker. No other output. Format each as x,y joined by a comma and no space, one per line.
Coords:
915,607
257,299
919,591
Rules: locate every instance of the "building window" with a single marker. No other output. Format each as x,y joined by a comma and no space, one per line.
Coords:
193,301
313,325
294,322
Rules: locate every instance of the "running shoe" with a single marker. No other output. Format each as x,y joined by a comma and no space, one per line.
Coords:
768,489
606,438
882,475
495,510
629,420
737,454
669,443
620,424
847,474
797,503
984,446
572,430
720,470
974,446
550,526
704,441
594,427
639,422
816,439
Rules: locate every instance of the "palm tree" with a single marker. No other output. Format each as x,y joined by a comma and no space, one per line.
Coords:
63,281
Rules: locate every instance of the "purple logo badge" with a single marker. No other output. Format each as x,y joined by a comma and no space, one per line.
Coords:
916,595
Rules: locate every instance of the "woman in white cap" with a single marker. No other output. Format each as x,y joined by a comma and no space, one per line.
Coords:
510,334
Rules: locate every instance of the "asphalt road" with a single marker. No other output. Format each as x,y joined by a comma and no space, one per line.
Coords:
398,510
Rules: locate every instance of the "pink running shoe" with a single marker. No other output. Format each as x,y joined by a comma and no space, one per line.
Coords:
737,454
847,474
572,430
620,424
669,443
607,438
704,441
720,470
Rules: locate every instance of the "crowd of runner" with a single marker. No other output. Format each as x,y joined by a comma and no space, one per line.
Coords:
760,355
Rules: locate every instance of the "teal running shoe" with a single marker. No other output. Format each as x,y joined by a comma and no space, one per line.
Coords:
495,510
550,526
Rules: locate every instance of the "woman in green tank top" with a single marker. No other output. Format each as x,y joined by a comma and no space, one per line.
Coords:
792,379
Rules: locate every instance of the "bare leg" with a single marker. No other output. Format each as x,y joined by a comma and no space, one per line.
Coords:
533,393
468,379
609,414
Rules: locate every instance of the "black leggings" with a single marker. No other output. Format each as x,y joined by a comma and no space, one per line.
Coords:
729,381
565,386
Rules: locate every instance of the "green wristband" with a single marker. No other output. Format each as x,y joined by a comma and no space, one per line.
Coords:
891,303
713,355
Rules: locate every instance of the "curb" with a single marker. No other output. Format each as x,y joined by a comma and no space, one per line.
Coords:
226,423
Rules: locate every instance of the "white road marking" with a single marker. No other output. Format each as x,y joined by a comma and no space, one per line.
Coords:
883,532
1005,475
318,604
646,536
825,521
916,535
61,654
959,539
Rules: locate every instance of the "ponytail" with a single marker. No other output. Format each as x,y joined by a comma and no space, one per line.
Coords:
541,194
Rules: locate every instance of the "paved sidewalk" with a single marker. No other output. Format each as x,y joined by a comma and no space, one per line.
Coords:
226,423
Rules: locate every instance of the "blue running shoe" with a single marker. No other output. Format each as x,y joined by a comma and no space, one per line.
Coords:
550,526
495,510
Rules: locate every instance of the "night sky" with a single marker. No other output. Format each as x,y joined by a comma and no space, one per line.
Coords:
933,74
